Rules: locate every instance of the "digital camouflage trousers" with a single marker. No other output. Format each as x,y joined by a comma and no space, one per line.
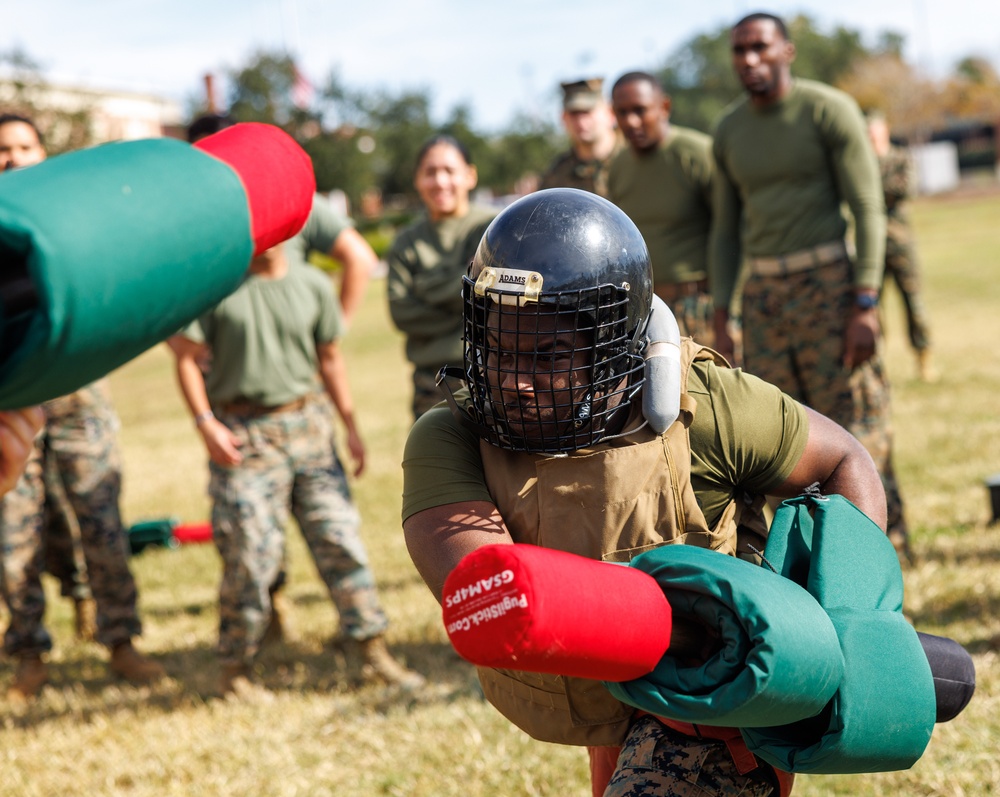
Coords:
903,268
289,465
694,313
79,445
793,337
656,761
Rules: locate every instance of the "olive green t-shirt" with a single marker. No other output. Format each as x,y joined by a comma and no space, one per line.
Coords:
263,337
746,435
668,194
319,234
426,264
782,175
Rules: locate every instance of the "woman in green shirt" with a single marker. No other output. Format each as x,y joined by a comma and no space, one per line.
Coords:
427,261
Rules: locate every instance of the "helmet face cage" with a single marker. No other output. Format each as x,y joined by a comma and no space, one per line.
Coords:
547,374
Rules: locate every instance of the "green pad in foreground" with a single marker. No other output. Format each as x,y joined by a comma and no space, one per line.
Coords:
779,660
123,244
883,713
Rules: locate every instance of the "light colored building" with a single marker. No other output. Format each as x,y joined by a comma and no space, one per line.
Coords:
113,115
937,167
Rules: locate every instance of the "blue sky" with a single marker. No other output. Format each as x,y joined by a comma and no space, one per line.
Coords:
498,57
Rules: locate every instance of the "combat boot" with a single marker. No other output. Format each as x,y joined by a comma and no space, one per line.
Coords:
379,665
130,664
925,366
85,619
32,674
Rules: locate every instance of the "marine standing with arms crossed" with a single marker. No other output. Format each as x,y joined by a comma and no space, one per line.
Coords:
788,154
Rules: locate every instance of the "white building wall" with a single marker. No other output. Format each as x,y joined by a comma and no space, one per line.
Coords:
115,115
937,167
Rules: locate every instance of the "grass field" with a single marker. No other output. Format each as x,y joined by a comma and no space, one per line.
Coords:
314,733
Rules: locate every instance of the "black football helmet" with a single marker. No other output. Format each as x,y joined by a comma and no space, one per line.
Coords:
556,304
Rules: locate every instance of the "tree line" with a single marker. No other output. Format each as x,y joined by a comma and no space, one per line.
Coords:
367,141
363,140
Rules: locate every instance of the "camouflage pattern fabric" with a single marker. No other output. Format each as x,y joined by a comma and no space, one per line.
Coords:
570,171
289,463
426,392
81,435
23,561
901,264
896,168
64,557
793,336
659,762
694,313
902,267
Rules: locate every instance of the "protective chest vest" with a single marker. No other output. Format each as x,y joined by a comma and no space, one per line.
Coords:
612,502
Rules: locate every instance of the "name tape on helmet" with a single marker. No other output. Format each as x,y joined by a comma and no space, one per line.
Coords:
510,285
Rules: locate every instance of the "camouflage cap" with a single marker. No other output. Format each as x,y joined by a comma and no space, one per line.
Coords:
582,95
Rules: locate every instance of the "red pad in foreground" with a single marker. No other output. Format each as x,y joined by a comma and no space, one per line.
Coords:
277,177
527,608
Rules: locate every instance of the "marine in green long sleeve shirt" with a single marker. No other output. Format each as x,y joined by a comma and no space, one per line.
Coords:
789,157
784,171
803,150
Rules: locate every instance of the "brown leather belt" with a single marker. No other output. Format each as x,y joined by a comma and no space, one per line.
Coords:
672,291
254,409
803,260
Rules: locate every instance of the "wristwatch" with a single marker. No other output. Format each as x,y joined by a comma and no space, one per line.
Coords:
866,301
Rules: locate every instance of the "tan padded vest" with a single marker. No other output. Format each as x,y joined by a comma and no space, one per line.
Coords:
628,496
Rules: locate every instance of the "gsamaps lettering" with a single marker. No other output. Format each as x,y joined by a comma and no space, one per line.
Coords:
480,587
487,613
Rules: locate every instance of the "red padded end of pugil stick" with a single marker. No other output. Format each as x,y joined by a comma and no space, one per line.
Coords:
277,176
522,607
